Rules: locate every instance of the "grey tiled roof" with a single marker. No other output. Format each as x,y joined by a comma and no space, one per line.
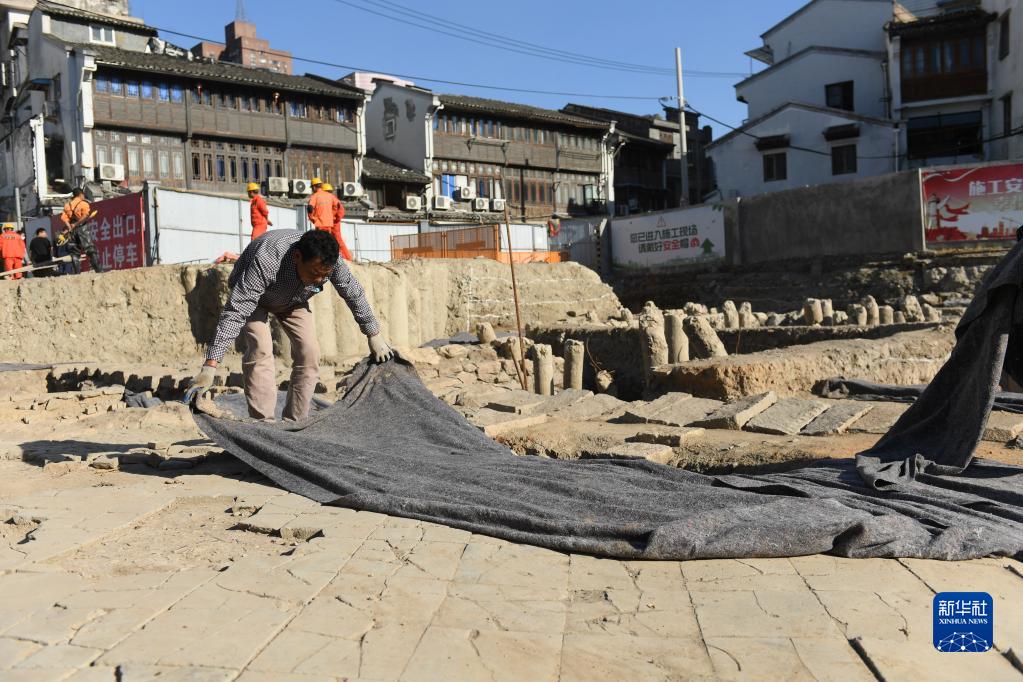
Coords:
216,71
516,110
377,167
58,10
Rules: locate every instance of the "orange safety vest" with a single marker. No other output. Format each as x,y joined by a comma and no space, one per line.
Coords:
11,245
321,213
259,214
74,210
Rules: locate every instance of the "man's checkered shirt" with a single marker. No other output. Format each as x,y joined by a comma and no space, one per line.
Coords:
265,276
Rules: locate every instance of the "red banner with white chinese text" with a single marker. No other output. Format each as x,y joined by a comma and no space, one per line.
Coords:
118,231
978,202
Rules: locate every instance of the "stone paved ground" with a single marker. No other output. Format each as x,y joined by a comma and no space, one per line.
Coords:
216,575
130,551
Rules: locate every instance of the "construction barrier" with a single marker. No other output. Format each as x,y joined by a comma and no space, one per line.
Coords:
466,242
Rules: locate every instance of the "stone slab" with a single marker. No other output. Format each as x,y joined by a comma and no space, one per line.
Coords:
880,418
671,409
839,417
493,423
517,402
593,407
653,452
1003,426
787,417
736,414
673,436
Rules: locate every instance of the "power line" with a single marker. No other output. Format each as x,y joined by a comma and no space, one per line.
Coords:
509,45
947,151
350,67
443,26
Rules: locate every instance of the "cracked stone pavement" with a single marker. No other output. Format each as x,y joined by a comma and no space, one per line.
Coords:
209,572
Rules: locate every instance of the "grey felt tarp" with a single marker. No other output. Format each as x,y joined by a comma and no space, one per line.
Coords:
390,446
840,388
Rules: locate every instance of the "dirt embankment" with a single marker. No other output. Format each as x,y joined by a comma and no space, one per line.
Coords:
785,285
169,312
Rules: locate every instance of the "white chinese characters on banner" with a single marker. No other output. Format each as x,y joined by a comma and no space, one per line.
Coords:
118,231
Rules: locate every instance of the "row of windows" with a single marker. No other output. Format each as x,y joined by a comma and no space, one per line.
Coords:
468,126
163,92
204,96
222,168
949,55
518,191
152,164
843,162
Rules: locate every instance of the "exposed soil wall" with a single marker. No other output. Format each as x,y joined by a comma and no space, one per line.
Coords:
169,312
907,358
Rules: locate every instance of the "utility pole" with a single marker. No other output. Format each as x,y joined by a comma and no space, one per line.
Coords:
683,199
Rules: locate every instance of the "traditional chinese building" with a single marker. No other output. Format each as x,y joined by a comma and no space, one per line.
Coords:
100,100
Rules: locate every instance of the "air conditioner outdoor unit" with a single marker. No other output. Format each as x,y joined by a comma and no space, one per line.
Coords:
466,193
277,185
113,172
413,203
352,189
480,205
442,203
497,205
301,187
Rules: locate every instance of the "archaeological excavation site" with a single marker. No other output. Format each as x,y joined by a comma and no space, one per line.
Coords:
565,480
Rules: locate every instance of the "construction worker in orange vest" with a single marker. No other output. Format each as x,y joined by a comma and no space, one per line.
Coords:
12,249
80,237
320,207
258,210
338,214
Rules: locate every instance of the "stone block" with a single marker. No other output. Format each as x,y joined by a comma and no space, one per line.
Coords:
735,415
494,423
671,409
703,340
1003,426
591,407
813,312
653,452
786,417
675,437
453,350
838,418
913,311
105,462
881,418
517,402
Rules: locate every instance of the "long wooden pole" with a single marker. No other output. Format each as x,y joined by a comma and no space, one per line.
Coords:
520,370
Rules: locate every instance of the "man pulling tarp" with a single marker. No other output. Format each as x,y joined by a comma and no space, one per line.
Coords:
277,274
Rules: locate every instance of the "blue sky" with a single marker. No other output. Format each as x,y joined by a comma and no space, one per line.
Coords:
713,37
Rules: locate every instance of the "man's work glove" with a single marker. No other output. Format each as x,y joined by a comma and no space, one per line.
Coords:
201,382
379,350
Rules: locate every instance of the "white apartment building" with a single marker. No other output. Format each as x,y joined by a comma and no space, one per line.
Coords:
956,73
855,88
817,112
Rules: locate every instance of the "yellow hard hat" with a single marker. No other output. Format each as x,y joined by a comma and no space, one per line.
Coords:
9,226
252,187
327,187
316,181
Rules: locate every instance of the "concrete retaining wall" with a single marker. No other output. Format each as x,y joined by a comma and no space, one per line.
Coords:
879,215
168,313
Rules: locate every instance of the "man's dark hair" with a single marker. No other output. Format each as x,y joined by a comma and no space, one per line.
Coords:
77,192
318,244
41,232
